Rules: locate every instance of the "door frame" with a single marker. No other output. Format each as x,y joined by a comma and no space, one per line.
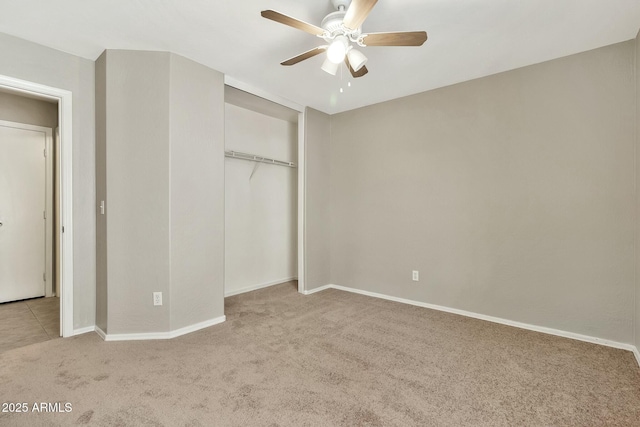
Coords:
65,111
230,81
48,217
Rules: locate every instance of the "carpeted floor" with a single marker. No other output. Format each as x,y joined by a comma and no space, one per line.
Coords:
332,358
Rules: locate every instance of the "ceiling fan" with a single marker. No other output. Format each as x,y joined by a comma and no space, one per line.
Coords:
340,30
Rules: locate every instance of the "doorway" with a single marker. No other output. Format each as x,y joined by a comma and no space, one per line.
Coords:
26,208
63,227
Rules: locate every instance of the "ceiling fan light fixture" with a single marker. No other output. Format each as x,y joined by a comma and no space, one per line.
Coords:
338,49
356,59
342,30
330,67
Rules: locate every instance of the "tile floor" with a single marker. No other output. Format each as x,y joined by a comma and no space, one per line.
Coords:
29,322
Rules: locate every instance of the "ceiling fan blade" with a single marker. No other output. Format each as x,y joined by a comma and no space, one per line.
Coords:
361,72
306,55
357,13
408,38
292,22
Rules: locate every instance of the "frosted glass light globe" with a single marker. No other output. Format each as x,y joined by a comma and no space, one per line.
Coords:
356,59
330,67
337,50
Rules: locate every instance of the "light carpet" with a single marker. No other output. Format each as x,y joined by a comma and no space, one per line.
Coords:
331,358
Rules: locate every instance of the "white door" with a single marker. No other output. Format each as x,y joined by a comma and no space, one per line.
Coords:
22,210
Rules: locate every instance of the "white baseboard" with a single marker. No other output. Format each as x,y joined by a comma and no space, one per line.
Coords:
321,288
85,330
636,352
101,333
499,320
160,335
197,326
259,286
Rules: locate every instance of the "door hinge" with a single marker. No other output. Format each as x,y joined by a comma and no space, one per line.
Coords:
63,228
44,277
44,214
45,152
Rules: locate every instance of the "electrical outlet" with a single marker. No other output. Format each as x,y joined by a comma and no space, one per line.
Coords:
157,298
416,275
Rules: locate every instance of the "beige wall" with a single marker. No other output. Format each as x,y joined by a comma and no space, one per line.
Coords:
16,108
137,180
101,192
160,156
197,193
318,199
35,63
513,195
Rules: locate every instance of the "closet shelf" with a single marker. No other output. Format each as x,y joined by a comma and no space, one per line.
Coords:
256,158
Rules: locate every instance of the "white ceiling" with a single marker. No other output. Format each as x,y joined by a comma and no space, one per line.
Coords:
467,39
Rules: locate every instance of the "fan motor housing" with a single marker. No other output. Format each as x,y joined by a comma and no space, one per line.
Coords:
333,21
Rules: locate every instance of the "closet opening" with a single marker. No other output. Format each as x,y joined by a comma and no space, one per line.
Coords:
261,193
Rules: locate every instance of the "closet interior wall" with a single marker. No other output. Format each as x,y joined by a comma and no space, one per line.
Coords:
260,199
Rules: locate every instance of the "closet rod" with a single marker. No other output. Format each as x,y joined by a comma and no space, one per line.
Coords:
256,158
